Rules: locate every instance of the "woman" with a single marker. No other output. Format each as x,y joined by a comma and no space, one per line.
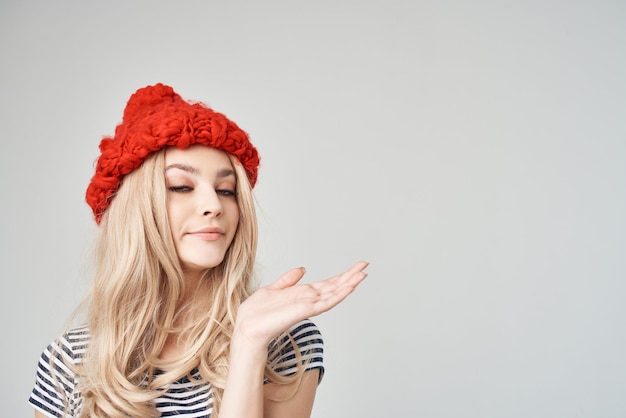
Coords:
173,327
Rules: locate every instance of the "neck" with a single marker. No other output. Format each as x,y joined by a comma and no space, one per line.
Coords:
193,284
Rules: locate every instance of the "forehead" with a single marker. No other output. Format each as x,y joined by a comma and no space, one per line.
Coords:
198,156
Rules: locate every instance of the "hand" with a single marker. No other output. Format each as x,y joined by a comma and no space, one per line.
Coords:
274,308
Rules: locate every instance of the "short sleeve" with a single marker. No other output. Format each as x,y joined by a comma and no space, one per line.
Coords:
307,337
55,381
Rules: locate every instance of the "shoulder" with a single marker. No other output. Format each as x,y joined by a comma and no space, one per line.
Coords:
55,380
66,351
304,333
302,344
78,337
62,354
73,343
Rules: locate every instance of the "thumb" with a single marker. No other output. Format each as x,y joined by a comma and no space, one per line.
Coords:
288,279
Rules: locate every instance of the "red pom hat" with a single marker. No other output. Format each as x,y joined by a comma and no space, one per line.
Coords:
156,117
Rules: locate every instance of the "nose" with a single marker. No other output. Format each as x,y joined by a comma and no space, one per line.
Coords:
210,204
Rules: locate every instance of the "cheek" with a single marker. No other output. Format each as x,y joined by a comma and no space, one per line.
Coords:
233,218
174,215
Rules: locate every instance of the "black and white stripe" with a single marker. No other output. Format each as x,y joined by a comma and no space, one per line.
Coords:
183,398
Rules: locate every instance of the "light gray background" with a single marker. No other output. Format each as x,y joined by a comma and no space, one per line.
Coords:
473,151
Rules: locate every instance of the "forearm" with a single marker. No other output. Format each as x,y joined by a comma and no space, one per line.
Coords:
243,393
264,315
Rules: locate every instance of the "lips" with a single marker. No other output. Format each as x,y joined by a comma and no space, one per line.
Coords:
207,233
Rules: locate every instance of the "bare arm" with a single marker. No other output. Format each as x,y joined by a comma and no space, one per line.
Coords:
300,405
268,312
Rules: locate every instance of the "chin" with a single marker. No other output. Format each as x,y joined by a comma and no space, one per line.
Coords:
201,265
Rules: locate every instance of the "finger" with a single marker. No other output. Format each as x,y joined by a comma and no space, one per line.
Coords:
329,300
288,279
348,286
353,275
359,266
356,279
333,291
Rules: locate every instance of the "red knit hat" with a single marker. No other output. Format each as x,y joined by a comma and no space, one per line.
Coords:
156,117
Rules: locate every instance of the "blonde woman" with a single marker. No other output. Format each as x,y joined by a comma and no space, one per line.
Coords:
174,327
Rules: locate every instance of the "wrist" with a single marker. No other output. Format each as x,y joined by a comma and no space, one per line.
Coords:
250,345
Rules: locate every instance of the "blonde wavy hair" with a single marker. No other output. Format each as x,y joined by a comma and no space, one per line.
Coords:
135,302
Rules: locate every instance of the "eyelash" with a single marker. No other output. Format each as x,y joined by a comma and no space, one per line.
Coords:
187,189
226,192
181,189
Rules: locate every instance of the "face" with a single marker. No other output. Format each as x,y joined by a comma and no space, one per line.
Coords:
201,205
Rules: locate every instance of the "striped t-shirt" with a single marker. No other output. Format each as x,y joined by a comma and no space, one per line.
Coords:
184,397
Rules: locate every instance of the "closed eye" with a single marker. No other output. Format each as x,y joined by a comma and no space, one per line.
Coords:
226,192
180,189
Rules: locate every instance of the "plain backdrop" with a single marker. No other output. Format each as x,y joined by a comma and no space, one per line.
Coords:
473,151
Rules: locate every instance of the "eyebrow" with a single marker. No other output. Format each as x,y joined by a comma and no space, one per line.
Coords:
224,172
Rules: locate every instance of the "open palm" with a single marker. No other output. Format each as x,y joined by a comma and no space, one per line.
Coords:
274,308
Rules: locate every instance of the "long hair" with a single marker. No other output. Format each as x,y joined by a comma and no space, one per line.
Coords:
136,301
